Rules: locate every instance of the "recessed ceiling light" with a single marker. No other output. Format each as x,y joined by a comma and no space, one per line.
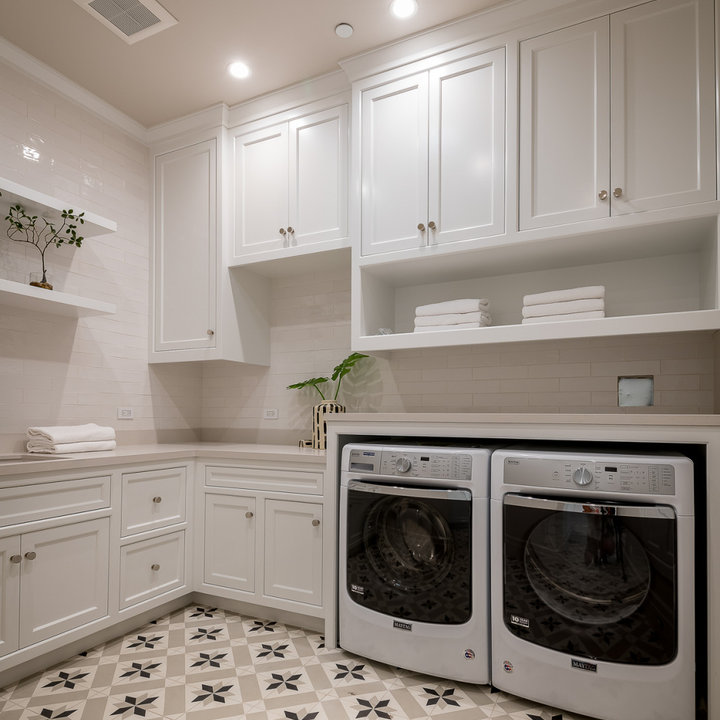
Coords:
239,70
344,30
403,8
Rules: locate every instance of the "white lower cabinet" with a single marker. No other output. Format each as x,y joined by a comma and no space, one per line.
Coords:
10,559
229,549
293,550
63,579
151,567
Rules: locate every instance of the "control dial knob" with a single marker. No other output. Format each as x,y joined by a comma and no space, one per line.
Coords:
403,464
582,476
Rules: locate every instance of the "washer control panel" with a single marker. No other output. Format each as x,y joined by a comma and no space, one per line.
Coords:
621,476
411,462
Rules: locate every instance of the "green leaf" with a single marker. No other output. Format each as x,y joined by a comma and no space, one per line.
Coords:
311,382
347,365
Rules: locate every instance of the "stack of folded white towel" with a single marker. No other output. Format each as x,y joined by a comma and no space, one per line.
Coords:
70,438
573,304
453,314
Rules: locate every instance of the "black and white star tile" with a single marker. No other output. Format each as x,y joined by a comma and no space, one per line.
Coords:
204,663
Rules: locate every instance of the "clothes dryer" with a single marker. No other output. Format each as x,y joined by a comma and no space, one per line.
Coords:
592,576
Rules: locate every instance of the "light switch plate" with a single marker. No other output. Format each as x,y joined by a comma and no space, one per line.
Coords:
636,391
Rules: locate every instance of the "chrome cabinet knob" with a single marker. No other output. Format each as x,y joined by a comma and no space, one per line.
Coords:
421,227
30,555
617,192
15,559
249,514
157,499
315,522
282,231
210,332
155,566
432,225
291,230
603,194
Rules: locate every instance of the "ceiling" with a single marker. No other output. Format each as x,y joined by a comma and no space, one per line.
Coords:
182,69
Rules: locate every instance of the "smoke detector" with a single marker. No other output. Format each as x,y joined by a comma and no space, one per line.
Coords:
130,20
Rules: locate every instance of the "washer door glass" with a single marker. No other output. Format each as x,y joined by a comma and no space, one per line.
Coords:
409,556
591,580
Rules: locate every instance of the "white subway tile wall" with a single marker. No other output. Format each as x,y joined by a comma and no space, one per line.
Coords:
55,371
61,371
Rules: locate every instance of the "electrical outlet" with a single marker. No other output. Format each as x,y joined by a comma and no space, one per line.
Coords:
271,414
125,413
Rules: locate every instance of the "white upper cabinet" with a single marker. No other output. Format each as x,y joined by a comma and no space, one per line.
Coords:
432,156
617,115
290,185
185,294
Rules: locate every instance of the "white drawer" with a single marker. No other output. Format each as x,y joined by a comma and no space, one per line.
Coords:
265,478
152,499
53,499
151,567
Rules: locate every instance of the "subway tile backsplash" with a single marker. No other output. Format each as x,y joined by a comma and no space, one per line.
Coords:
57,371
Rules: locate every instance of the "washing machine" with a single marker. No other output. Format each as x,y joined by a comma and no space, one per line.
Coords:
414,558
592,576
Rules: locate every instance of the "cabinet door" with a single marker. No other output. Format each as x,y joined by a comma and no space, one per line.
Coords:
185,305
261,190
229,549
10,561
564,126
394,165
293,551
318,177
663,146
467,149
63,579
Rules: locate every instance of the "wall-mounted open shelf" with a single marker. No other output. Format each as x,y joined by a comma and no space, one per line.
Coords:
28,297
50,208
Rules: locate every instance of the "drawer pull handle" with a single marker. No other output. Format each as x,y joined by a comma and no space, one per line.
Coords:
155,566
432,225
30,555
291,230
617,192
315,522
283,231
15,559
157,499
421,227
249,514
603,194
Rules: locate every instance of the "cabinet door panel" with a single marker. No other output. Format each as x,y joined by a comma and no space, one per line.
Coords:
9,594
394,165
66,584
467,149
663,150
293,551
318,177
230,541
261,190
152,499
564,127
185,248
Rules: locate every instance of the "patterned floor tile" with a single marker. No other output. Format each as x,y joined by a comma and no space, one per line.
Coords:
204,663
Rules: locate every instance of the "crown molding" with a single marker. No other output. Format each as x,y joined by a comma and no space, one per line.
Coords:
44,74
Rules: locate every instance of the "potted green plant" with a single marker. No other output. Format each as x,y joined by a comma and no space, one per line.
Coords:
327,406
41,233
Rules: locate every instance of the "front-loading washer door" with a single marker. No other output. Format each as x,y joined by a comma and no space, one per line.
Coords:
595,580
409,551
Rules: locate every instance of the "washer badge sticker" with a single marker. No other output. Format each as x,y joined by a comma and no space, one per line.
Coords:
469,654
520,621
508,666
357,589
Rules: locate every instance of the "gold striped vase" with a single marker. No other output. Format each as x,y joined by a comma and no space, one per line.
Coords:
319,429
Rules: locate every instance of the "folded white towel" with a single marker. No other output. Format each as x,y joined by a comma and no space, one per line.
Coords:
453,306
43,446
453,318
563,308
458,326
581,293
570,316
71,433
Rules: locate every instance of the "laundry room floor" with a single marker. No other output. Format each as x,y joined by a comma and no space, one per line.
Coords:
206,664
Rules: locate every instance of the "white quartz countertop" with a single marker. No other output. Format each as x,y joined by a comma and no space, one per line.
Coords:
165,451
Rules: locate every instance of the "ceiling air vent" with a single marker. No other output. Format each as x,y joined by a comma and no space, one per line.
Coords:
131,20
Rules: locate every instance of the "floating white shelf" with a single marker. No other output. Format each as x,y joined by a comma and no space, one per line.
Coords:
601,327
50,208
51,302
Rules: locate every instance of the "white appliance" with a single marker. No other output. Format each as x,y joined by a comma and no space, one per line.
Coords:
414,558
592,576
